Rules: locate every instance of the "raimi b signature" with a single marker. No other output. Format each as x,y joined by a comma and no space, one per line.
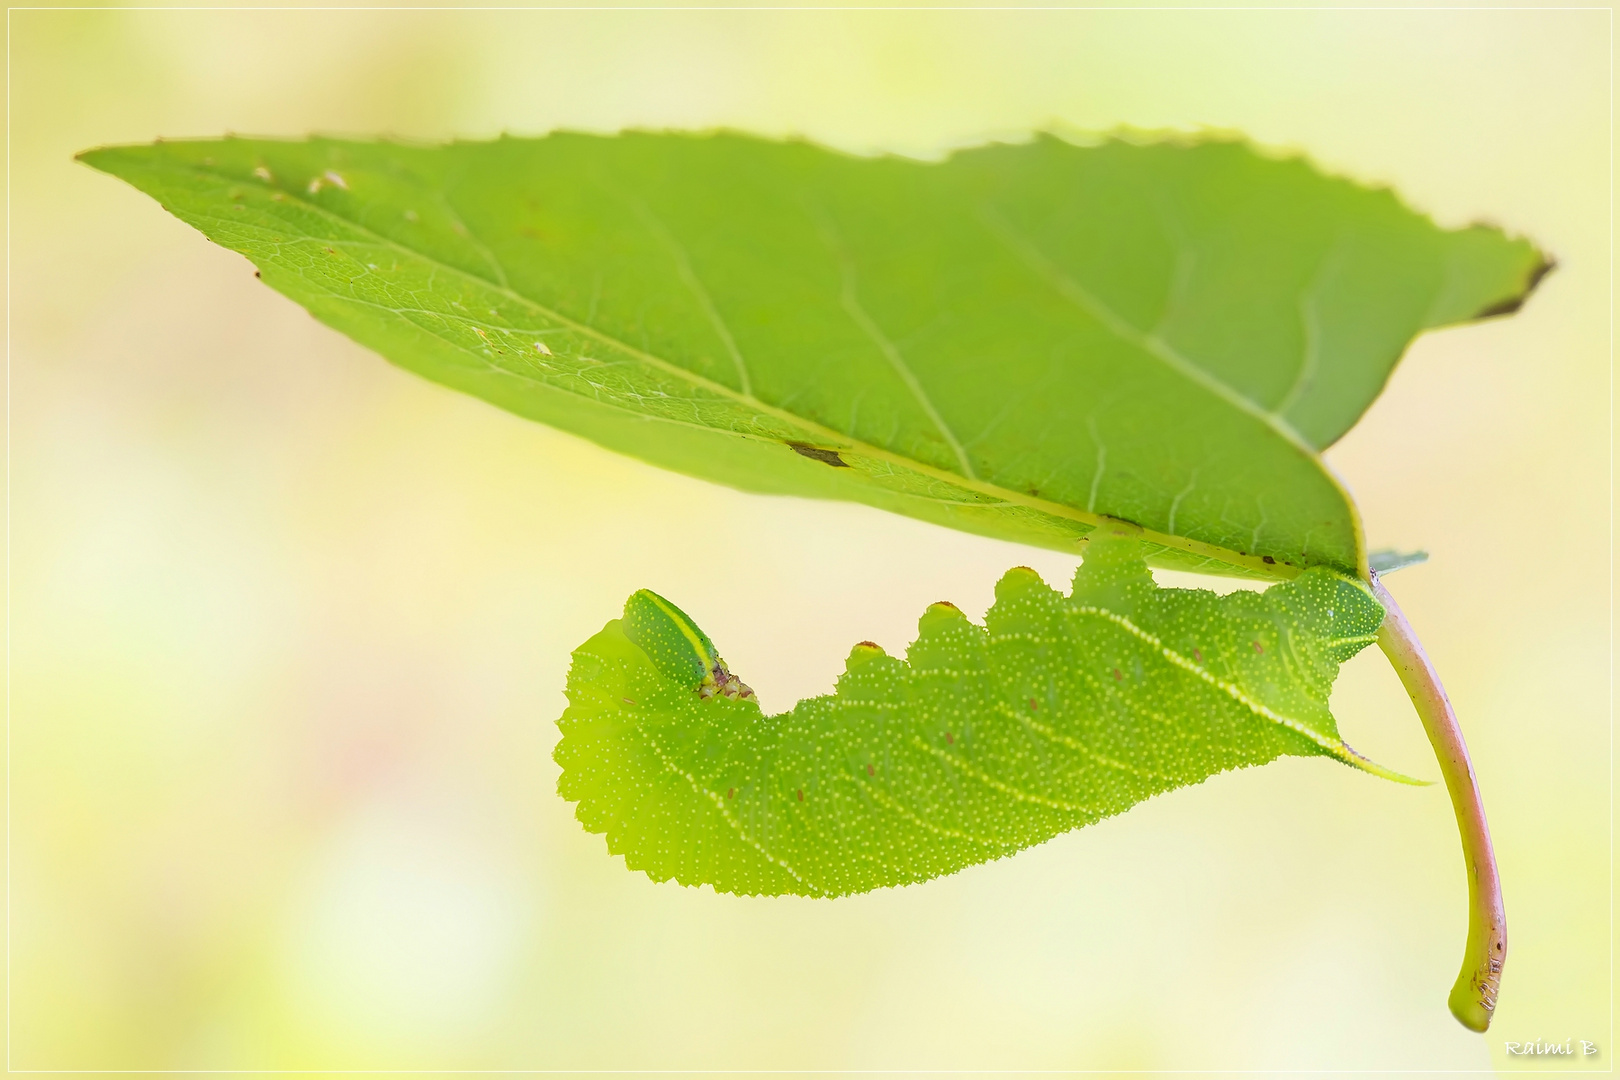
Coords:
1567,1048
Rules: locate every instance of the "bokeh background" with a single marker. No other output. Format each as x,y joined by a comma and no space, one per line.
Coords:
289,627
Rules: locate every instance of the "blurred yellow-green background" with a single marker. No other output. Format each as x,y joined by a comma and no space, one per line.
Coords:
289,627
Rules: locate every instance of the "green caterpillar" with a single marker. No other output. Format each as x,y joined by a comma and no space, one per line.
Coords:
1058,712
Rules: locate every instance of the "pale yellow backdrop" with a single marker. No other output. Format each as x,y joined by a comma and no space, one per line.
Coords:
289,627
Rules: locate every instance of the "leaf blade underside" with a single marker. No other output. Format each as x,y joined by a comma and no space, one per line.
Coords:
983,741
1022,341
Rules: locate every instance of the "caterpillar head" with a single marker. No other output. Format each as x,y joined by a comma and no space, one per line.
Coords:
677,648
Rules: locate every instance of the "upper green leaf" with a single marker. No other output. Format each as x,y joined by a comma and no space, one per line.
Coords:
1059,711
1022,340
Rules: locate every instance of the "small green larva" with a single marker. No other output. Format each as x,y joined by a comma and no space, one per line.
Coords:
677,647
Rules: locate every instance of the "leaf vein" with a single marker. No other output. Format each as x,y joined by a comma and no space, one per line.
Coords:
849,298
1150,343
1053,735
1001,786
694,285
726,815
1335,747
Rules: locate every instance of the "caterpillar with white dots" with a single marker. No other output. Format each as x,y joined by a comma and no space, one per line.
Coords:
982,741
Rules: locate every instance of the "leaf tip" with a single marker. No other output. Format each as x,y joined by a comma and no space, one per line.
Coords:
1544,265
94,156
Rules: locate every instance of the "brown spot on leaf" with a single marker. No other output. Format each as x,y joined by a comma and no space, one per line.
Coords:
950,738
1117,675
730,792
1032,705
817,453
801,794
1268,560
869,770
1257,647
627,701
1198,656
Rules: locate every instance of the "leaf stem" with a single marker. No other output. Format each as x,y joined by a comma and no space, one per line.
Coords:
1473,998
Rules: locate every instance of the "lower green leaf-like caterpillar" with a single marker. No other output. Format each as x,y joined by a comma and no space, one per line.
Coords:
1058,712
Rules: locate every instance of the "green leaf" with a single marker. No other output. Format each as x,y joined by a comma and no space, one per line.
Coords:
1058,712
1023,341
